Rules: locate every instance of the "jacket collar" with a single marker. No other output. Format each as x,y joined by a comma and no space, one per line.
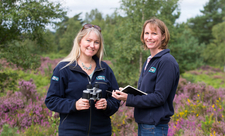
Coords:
161,53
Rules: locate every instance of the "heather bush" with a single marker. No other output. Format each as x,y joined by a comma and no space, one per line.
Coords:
41,82
123,122
47,66
199,105
199,110
24,108
28,89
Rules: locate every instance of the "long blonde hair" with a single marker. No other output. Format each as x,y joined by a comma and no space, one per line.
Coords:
75,52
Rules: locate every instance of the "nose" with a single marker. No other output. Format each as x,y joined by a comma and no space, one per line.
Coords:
149,36
92,44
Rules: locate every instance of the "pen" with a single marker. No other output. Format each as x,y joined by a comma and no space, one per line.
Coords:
108,91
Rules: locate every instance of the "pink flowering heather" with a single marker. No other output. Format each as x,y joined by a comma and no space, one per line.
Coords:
28,89
47,65
21,109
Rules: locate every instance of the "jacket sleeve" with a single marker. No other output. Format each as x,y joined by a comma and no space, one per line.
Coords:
55,99
165,83
112,103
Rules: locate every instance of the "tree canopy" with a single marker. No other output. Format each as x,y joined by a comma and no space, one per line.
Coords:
202,25
25,19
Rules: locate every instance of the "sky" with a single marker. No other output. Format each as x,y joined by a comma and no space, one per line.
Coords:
189,8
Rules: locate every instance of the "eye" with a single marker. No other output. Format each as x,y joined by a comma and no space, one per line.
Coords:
154,33
146,33
97,42
88,40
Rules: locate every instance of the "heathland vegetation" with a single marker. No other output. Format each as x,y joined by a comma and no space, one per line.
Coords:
29,52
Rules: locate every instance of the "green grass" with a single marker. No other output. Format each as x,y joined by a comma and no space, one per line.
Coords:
215,79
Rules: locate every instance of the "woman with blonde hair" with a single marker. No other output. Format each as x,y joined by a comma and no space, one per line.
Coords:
80,87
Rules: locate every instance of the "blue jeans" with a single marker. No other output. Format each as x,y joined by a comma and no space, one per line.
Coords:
152,130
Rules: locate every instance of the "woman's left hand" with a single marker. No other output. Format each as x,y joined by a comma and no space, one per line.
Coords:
101,104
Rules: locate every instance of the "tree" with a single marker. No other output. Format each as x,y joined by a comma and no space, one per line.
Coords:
202,25
214,53
129,52
25,19
72,27
66,32
93,15
187,51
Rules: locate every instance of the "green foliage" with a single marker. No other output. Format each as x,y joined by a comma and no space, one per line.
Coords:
93,15
53,56
202,25
187,52
20,19
8,81
54,121
40,81
48,46
18,53
66,41
123,123
207,124
216,47
38,130
9,131
66,33
210,78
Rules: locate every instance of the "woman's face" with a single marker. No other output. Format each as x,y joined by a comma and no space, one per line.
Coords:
89,44
152,38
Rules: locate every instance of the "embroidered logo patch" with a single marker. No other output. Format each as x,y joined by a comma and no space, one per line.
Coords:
100,78
55,78
152,69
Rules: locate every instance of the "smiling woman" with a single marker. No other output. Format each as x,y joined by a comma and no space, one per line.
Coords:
158,79
77,78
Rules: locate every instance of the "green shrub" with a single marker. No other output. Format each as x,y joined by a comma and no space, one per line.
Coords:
8,131
214,79
13,77
53,56
8,81
38,130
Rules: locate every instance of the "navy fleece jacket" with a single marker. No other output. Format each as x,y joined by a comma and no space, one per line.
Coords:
159,81
67,85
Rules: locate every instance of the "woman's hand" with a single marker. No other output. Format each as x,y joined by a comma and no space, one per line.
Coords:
82,104
101,104
119,95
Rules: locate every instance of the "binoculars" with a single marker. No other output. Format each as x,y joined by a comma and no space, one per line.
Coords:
92,93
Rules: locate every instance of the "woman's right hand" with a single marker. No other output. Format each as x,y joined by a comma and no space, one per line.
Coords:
82,104
119,95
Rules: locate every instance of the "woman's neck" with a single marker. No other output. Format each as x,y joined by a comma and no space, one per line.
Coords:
154,52
85,59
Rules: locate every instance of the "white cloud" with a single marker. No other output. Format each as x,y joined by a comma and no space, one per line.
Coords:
189,8
77,6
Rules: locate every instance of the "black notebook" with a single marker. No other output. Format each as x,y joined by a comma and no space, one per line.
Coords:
131,90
